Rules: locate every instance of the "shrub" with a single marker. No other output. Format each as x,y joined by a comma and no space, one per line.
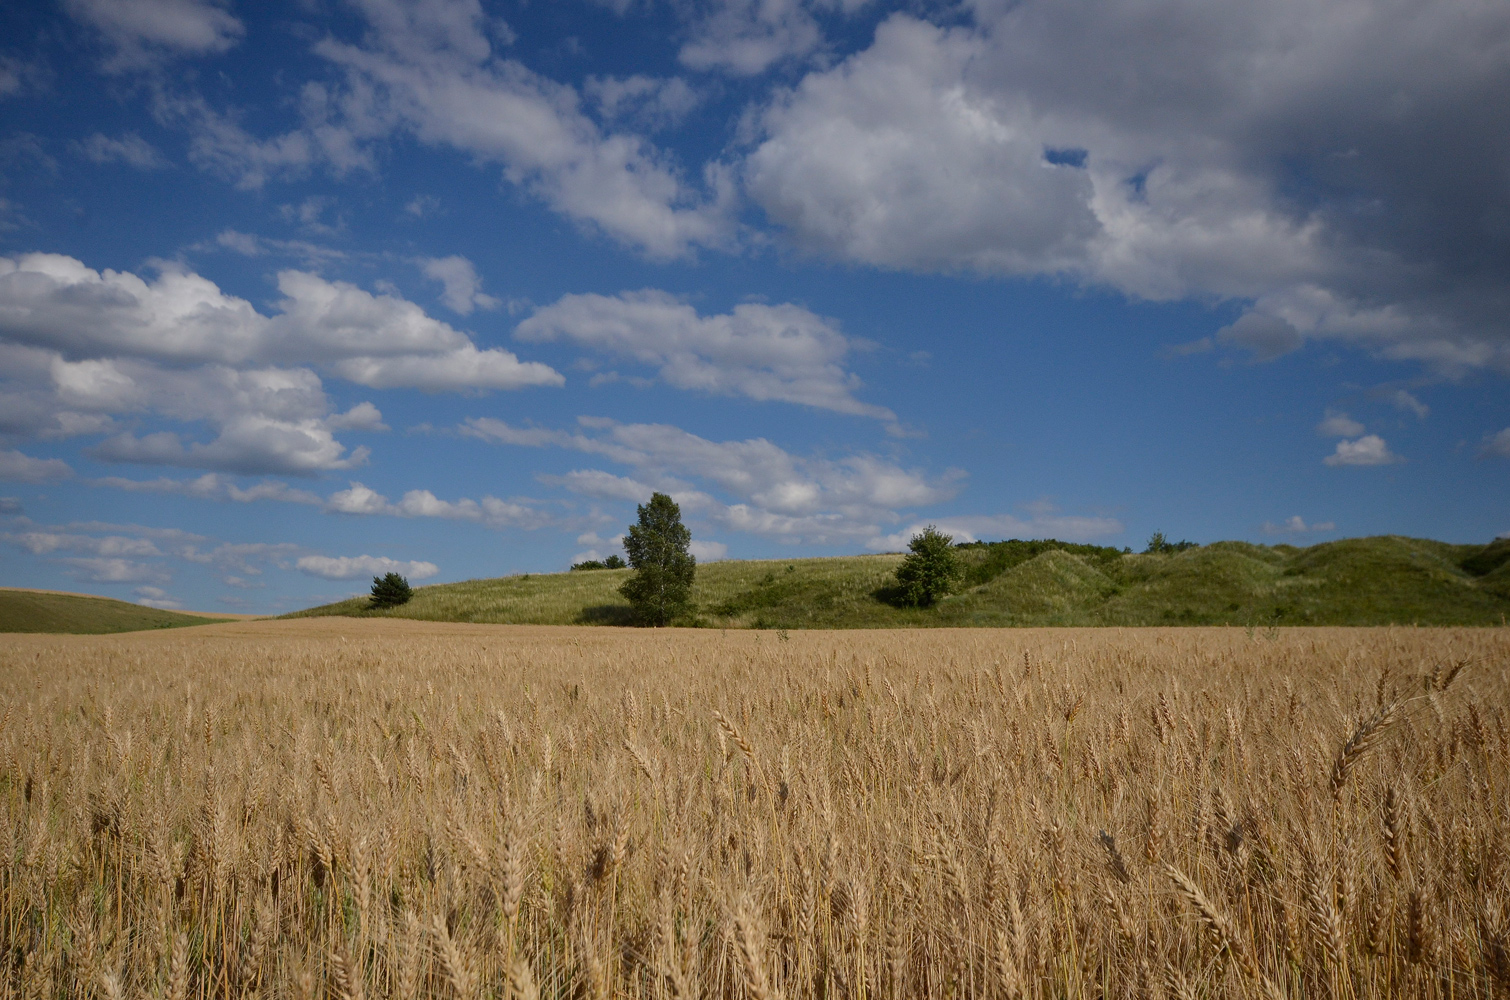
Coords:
661,587
1159,545
930,571
612,562
390,591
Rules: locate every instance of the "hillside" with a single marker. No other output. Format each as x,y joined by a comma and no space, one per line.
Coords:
1357,581
81,614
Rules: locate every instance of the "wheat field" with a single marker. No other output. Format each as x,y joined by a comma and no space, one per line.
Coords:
388,809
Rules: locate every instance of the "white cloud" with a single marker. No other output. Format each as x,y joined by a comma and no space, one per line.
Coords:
745,37
1296,525
84,346
1088,140
650,102
489,511
706,551
143,31
16,467
783,352
156,597
775,493
214,486
351,567
1367,450
463,288
130,149
1338,424
44,542
361,417
100,570
1497,445
429,70
1404,401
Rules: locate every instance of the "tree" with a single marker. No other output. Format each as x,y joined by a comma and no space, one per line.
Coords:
657,544
390,591
930,571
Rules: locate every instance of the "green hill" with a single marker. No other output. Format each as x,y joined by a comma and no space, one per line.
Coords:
39,611
1357,581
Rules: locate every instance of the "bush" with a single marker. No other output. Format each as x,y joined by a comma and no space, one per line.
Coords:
390,591
1159,545
930,571
612,562
661,587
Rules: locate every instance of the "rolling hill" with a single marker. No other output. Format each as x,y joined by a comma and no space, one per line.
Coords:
82,614
1358,581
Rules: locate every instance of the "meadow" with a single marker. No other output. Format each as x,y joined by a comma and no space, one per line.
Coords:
1357,581
83,614
395,809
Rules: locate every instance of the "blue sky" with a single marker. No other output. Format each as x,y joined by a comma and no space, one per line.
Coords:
292,294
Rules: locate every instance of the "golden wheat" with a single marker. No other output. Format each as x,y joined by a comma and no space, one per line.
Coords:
388,810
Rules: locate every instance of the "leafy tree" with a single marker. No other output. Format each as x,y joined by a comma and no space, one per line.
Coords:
614,562
930,571
1159,545
390,591
657,544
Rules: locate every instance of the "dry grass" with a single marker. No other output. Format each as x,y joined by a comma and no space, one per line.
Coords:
381,809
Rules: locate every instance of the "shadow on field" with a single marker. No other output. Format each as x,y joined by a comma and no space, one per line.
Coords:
607,614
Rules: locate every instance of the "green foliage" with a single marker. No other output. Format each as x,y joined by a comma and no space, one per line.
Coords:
985,561
1158,545
930,571
1360,581
657,545
80,614
612,562
389,591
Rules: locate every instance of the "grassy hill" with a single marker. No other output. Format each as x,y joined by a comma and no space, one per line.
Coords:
1357,581
39,611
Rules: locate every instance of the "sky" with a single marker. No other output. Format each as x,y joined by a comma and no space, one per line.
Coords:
296,293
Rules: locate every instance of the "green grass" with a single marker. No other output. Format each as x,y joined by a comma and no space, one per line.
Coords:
24,611
1358,581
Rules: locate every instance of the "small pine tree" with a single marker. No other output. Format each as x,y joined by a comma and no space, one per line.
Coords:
661,587
390,591
930,571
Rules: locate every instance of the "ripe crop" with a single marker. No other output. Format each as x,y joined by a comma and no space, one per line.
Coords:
387,809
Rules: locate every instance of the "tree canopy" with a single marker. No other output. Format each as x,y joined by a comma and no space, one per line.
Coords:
657,545
929,572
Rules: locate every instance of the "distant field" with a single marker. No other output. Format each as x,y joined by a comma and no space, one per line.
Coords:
1361,581
46,611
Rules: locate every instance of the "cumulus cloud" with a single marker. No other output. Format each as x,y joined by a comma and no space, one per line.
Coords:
84,346
783,352
352,567
105,570
1296,525
156,597
652,103
130,149
774,492
1229,158
1404,401
20,468
1370,449
429,70
706,551
143,32
1338,424
489,511
462,287
746,37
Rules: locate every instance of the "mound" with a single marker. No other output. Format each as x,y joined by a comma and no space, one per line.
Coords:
80,614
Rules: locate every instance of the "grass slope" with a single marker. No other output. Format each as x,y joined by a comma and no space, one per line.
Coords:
1358,581
31,611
